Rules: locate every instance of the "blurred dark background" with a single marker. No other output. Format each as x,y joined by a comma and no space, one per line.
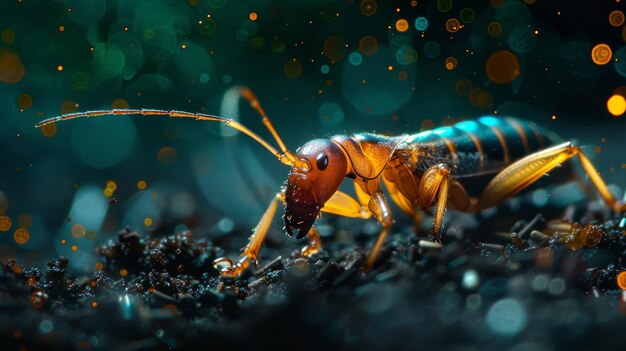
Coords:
318,67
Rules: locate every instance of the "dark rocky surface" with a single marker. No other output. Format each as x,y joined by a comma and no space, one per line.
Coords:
533,288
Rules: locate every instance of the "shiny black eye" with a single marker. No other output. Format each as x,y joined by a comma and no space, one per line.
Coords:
322,162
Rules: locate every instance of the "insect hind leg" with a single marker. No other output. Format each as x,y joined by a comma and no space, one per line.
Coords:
529,169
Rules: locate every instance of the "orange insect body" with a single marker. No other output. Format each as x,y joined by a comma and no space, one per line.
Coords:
468,167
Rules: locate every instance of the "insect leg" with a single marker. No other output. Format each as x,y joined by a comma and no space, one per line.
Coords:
379,207
315,244
343,204
529,169
251,251
433,189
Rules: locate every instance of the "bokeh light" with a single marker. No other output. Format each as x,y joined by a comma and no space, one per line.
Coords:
5,223
406,56
368,7
293,68
616,18
616,105
453,25
432,49
21,236
467,15
335,48
621,280
444,5
402,25
421,23
494,29
601,54
11,67
450,63
502,67
368,45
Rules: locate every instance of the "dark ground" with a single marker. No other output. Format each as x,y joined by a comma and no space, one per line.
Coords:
517,291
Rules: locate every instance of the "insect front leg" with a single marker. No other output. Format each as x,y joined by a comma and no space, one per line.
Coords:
251,251
529,169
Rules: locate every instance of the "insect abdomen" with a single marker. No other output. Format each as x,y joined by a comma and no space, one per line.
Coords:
483,145
478,149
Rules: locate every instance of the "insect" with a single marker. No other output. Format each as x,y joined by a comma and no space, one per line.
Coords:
470,166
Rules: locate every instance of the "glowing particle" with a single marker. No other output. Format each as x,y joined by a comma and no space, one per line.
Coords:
467,15
5,223
451,63
502,67
616,18
494,29
616,105
421,23
325,69
99,266
402,25
94,304
252,16
368,7
119,103
390,68
141,185
21,236
63,241
8,36
553,117
147,221
293,69
453,25
49,130
167,155
74,248
444,5
78,231
621,280
355,58
24,101
11,67
59,68
123,272
335,48
368,45
601,54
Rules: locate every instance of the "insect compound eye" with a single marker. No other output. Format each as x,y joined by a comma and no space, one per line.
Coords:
322,162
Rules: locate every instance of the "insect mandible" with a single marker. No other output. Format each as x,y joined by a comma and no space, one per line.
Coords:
470,166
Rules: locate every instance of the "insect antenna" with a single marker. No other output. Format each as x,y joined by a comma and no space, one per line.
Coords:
284,156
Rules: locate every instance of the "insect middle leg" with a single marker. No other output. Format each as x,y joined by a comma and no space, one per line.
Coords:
529,169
